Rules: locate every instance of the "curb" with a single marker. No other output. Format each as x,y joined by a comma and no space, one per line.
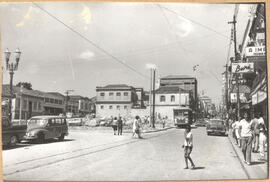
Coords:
152,131
238,157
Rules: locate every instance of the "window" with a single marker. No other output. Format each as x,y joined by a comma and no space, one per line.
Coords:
102,94
101,107
24,104
47,100
162,98
118,94
51,100
18,102
125,93
172,98
58,121
118,107
39,105
111,94
110,107
125,107
56,101
35,106
60,102
86,106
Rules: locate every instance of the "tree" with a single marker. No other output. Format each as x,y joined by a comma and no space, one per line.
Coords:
26,85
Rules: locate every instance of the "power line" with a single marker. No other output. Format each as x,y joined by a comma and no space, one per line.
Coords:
195,22
89,41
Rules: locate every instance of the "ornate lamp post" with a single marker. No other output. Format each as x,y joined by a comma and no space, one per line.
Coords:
11,67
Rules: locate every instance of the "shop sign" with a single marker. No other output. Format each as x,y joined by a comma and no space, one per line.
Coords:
243,98
254,99
255,51
242,67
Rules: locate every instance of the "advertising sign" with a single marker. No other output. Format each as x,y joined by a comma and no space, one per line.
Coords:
242,67
184,99
243,98
255,51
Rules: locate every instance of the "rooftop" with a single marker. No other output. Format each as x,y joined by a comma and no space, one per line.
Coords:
169,89
177,77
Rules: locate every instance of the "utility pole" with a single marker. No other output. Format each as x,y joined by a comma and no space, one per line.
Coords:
150,98
226,90
236,60
67,99
154,98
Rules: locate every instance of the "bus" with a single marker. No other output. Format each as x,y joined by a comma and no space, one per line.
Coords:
182,117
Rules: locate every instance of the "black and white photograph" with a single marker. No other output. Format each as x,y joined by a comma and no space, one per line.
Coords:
134,91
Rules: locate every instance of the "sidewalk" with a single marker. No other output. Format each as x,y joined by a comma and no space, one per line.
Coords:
258,169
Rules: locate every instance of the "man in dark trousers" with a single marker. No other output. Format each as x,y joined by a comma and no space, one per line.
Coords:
120,125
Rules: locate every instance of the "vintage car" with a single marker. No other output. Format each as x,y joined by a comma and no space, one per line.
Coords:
216,126
11,134
41,128
200,122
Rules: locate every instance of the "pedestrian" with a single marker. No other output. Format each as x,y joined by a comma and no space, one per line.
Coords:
256,132
114,125
233,133
236,131
261,120
120,125
246,131
262,141
136,127
163,121
188,145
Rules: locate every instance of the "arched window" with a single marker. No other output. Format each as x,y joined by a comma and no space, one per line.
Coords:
172,98
162,98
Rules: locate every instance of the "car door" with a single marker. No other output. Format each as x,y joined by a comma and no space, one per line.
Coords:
50,128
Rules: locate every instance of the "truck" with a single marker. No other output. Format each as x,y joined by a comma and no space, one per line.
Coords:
11,134
182,117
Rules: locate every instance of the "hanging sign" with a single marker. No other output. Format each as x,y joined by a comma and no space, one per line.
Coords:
242,67
255,51
243,98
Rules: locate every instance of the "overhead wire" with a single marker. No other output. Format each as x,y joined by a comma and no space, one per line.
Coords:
195,22
89,41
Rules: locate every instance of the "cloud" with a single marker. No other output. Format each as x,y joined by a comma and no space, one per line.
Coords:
183,28
87,55
151,66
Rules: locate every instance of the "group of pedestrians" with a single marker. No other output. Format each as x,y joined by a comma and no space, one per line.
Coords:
117,125
250,136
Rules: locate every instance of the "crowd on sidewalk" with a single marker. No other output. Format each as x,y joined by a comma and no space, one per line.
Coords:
250,135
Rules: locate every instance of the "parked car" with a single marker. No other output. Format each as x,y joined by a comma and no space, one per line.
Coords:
40,128
216,126
200,122
11,134
75,121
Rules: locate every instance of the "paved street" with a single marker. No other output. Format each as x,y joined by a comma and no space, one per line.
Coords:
101,156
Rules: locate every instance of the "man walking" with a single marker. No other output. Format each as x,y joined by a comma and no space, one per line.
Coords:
120,125
245,128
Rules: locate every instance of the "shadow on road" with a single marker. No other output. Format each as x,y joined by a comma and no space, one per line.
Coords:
16,146
196,168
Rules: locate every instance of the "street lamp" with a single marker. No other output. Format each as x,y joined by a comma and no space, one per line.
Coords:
12,67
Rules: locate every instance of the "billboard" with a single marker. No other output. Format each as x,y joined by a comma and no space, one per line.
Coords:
242,67
243,98
255,51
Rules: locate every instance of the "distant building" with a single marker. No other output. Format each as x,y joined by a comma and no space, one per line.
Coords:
53,103
79,105
118,99
169,98
184,82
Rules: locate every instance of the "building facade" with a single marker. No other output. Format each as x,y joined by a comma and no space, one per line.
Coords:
169,98
115,100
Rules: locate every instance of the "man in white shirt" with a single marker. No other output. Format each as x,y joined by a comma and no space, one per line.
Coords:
246,130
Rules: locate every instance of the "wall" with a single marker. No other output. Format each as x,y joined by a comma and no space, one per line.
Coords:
140,112
107,112
109,98
167,99
166,111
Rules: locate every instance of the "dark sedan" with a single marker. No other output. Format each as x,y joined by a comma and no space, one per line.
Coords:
216,126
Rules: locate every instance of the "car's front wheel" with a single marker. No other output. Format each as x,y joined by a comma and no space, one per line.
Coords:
41,138
13,141
62,137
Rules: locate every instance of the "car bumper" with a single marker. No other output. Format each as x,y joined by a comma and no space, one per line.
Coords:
30,137
216,132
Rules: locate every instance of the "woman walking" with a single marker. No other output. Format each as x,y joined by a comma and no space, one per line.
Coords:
114,125
136,127
188,145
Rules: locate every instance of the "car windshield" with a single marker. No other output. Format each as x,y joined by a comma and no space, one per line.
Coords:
218,122
37,122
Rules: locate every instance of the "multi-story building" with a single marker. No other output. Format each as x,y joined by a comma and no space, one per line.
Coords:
115,100
53,103
170,98
79,105
253,64
184,82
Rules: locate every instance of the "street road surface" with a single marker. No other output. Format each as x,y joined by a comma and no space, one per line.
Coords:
99,155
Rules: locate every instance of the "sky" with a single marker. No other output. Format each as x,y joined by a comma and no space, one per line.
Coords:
81,45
